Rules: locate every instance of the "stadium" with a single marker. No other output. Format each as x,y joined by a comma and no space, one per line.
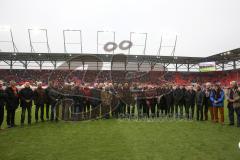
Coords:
101,94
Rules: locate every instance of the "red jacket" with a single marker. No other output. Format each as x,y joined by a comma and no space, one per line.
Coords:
87,93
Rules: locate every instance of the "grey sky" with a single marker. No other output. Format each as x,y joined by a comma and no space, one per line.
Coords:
204,27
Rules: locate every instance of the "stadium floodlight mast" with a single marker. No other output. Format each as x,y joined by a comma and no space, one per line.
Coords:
167,46
98,36
72,43
11,41
7,29
37,31
143,45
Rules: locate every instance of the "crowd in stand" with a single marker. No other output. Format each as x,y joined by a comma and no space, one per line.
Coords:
90,76
83,101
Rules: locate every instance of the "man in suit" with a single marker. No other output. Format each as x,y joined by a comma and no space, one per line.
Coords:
54,96
121,106
87,101
95,101
138,94
161,105
178,96
2,102
233,97
151,101
199,102
26,97
169,100
12,102
236,101
48,99
39,100
127,99
190,102
207,104
106,98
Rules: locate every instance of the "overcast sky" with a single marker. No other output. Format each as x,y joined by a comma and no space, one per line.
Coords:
203,27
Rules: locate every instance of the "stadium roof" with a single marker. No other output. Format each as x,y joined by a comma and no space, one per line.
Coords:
87,57
224,60
224,57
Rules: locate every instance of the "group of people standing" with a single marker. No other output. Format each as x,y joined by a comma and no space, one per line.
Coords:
105,100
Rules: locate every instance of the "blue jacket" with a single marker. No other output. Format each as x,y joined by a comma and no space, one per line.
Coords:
219,99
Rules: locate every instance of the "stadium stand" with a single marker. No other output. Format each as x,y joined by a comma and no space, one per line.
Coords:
61,76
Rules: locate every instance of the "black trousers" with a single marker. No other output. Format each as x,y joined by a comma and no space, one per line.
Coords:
126,107
199,112
29,110
47,110
41,106
140,105
95,113
116,109
87,109
121,107
146,110
230,113
205,110
77,111
170,109
237,110
153,108
105,111
180,106
11,116
1,114
54,111
187,108
129,109
162,109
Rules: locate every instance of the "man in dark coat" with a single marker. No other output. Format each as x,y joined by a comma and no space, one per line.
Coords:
141,101
78,99
106,98
233,98
39,100
96,101
66,101
151,100
54,96
182,101
207,104
169,101
190,101
121,106
178,96
2,102
12,102
87,101
161,105
199,102
127,98
48,99
114,105
26,97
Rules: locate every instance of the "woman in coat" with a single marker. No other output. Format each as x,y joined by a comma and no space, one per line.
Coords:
217,98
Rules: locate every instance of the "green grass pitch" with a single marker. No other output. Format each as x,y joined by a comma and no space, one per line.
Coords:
121,140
